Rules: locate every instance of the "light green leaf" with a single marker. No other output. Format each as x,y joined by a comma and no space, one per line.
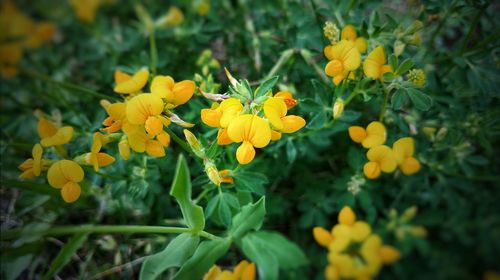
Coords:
250,217
181,190
421,100
266,86
65,254
174,255
399,99
265,261
205,256
404,67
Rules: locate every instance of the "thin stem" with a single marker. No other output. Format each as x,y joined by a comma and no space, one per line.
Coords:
384,106
153,50
128,229
200,196
179,141
285,56
67,85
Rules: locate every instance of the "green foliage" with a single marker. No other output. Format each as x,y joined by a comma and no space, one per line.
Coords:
65,255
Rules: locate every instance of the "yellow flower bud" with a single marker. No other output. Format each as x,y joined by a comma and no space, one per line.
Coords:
389,254
213,173
347,216
194,144
418,231
338,108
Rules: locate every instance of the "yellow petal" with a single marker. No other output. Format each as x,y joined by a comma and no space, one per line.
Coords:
348,33
249,272
70,192
404,147
213,273
377,153
104,159
347,216
211,117
373,63
371,170
155,148
121,77
361,44
370,249
134,84
389,254
64,171
231,108
183,91
163,138
250,128
275,109
153,126
331,273
162,86
357,134
62,136
137,141
292,123
46,128
37,159
124,149
239,268
388,163
322,236
376,135
142,106
275,135
360,231
117,111
339,244
327,51
287,97
350,56
245,153
223,138
334,68
410,166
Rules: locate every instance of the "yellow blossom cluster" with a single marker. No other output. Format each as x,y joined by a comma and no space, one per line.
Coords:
355,252
142,117
382,158
61,174
345,57
19,32
243,271
241,123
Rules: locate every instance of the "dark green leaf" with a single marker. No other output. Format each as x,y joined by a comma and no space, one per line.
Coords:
421,100
65,254
250,218
266,86
406,65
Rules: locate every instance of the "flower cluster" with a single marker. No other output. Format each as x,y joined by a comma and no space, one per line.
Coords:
142,117
61,174
345,57
382,158
251,120
19,33
243,271
355,252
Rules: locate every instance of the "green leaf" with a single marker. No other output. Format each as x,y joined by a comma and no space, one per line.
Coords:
266,86
318,121
174,255
291,151
65,254
224,211
399,99
406,65
181,190
421,100
250,181
205,256
250,218
393,61
272,250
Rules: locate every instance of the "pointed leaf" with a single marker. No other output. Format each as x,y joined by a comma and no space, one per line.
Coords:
250,218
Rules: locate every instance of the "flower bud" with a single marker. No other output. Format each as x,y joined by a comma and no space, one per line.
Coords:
124,149
194,143
409,213
213,173
338,108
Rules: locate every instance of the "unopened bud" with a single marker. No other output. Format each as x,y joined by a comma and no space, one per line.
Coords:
230,77
409,213
418,231
338,108
124,149
173,18
194,143
213,173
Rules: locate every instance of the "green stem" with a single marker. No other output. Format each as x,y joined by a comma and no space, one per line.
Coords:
200,196
129,229
384,106
285,56
67,85
179,141
154,51
310,60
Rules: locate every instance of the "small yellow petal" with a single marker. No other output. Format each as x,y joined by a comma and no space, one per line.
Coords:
134,84
62,136
143,106
70,192
223,138
371,170
124,149
155,149
360,231
348,33
37,159
46,128
249,272
322,236
153,126
410,166
121,77
245,153
334,68
361,44
357,134
162,87
389,254
275,109
213,273
404,147
292,124
183,91
347,216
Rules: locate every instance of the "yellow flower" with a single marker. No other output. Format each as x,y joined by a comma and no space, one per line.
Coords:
243,271
175,94
202,7
33,167
220,115
349,33
375,65
141,142
145,109
322,236
275,110
331,273
374,134
173,18
65,175
117,116
344,58
381,159
226,176
52,136
253,131
85,10
126,84
288,98
95,158
403,151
